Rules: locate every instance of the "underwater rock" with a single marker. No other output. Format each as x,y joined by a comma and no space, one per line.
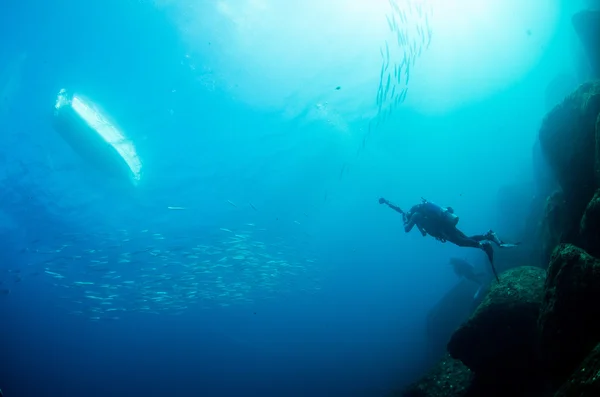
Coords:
545,181
447,315
555,220
568,141
558,89
587,26
585,380
590,226
568,322
500,336
448,378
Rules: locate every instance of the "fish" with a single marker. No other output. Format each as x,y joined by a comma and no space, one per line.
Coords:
231,203
387,86
464,269
176,208
389,23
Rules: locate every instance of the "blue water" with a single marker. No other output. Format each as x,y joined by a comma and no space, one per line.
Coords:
246,130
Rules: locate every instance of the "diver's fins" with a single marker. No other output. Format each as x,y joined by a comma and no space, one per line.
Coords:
487,248
509,245
495,273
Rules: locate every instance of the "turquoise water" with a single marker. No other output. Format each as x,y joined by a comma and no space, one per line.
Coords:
252,258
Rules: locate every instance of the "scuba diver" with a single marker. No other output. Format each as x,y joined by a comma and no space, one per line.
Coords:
440,223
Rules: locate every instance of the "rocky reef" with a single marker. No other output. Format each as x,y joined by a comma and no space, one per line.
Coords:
448,378
537,331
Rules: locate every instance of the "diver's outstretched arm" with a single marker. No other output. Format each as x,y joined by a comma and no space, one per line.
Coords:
394,207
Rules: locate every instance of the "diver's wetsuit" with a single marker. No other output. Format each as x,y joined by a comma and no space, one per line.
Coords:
434,220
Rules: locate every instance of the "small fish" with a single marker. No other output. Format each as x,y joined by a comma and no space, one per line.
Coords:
176,208
231,203
389,23
253,207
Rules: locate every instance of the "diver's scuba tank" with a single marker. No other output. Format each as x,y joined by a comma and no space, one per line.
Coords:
450,216
446,213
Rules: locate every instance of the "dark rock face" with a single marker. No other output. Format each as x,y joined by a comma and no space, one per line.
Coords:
501,335
585,381
569,319
587,26
568,141
590,226
552,226
545,182
448,378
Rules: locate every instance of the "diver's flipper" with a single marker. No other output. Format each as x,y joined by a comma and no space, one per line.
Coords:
494,270
509,245
487,247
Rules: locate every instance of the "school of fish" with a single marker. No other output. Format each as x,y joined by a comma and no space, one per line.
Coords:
409,22
102,276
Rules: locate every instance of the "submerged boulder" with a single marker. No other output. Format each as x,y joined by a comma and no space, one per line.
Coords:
569,316
448,378
587,26
553,225
568,141
500,336
585,380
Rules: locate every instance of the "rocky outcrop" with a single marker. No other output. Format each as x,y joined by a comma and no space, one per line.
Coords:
544,180
448,378
590,227
558,89
568,141
500,337
585,380
569,316
587,26
555,220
